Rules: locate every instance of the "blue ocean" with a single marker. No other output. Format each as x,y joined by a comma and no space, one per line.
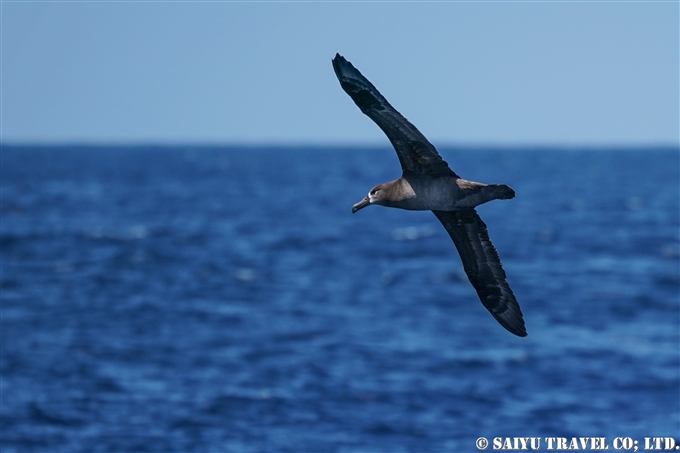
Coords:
225,299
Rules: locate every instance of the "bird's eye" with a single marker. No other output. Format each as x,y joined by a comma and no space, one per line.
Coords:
374,192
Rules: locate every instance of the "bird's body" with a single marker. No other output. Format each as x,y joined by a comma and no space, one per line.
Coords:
446,193
427,183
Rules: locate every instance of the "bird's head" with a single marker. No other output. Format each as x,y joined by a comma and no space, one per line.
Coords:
375,196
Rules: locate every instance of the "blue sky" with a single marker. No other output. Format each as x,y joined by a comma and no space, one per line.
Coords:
500,73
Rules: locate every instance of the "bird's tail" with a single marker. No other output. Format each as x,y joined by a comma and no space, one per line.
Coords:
502,192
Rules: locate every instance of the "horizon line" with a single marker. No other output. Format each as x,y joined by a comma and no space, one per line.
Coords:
332,145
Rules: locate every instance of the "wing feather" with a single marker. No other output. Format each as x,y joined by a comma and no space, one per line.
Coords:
416,154
483,267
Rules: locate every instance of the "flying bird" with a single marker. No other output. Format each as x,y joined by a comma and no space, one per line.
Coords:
428,184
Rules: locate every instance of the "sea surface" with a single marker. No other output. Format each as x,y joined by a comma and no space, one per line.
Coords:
225,299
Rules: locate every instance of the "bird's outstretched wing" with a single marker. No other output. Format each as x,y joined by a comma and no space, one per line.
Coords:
483,267
416,153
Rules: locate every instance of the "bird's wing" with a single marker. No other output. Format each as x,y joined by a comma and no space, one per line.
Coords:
483,267
416,153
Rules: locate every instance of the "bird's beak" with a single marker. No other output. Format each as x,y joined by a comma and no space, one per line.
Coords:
362,204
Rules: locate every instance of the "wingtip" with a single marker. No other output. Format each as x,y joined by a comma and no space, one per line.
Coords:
515,325
344,68
518,330
511,318
337,61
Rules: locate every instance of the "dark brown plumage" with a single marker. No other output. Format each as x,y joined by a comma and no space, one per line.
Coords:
427,183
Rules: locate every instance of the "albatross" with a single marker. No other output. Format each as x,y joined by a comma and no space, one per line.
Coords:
428,184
